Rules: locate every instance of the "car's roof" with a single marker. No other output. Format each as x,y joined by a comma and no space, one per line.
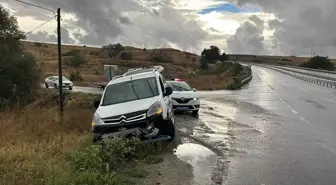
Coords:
134,76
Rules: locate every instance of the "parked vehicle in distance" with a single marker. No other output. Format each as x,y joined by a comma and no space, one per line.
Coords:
184,97
110,71
52,81
137,101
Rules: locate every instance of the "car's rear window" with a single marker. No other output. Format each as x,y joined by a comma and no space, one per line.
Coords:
130,91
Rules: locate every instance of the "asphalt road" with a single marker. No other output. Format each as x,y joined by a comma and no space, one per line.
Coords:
277,130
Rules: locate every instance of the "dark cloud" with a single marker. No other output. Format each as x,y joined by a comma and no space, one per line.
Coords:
43,36
125,20
248,38
134,22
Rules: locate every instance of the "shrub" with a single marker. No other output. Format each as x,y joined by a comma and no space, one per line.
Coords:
126,56
319,62
113,50
204,64
72,52
193,59
144,49
75,76
95,53
161,57
188,56
75,60
37,44
19,78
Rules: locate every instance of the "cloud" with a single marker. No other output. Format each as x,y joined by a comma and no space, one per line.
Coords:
248,38
301,25
43,36
136,22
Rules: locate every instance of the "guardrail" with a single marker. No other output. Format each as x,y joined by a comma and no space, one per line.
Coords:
309,74
310,69
318,81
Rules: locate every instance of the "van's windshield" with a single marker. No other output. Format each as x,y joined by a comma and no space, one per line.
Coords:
130,91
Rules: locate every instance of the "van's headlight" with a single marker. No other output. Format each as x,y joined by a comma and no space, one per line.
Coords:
197,98
155,110
96,120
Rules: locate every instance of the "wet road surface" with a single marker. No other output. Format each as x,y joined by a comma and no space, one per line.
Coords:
276,130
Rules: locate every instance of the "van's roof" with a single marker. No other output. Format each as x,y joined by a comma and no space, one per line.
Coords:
135,76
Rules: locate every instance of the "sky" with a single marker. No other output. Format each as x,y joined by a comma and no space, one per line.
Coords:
260,27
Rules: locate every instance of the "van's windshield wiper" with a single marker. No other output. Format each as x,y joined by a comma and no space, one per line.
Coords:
134,90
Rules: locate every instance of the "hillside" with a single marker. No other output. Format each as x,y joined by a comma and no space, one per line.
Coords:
180,64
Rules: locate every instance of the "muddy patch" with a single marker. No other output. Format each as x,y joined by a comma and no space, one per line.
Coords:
207,166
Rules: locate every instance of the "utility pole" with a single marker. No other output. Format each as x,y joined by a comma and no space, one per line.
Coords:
60,74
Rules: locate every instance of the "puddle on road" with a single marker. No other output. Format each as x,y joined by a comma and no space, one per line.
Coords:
201,158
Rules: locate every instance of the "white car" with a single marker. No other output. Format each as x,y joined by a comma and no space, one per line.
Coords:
184,97
137,101
52,81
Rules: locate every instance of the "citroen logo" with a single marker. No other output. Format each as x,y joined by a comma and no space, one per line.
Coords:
122,118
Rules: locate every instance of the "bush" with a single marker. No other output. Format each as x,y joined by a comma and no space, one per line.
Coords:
126,56
37,44
72,52
76,60
204,64
19,78
76,76
144,49
95,53
161,57
193,59
319,62
113,50
188,56
236,68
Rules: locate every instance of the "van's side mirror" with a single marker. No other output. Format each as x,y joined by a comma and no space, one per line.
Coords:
96,103
169,91
194,89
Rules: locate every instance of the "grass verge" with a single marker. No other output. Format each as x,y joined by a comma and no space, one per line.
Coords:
38,146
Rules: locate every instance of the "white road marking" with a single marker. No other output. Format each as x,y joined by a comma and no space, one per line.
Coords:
294,111
304,120
304,90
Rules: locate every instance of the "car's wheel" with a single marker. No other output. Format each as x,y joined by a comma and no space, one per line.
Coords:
55,86
195,112
70,88
167,128
46,85
96,138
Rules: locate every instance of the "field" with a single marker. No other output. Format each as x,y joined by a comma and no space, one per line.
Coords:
182,65
39,146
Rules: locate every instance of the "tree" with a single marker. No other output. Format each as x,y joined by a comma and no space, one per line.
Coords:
113,50
76,60
319,62
212,54
223,57
126,56
19,73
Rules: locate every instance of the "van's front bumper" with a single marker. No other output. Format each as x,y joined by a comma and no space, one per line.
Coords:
146,128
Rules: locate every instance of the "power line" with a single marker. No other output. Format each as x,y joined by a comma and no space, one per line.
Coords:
36,6
40,25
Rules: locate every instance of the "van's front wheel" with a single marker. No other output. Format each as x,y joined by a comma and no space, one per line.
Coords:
167,127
